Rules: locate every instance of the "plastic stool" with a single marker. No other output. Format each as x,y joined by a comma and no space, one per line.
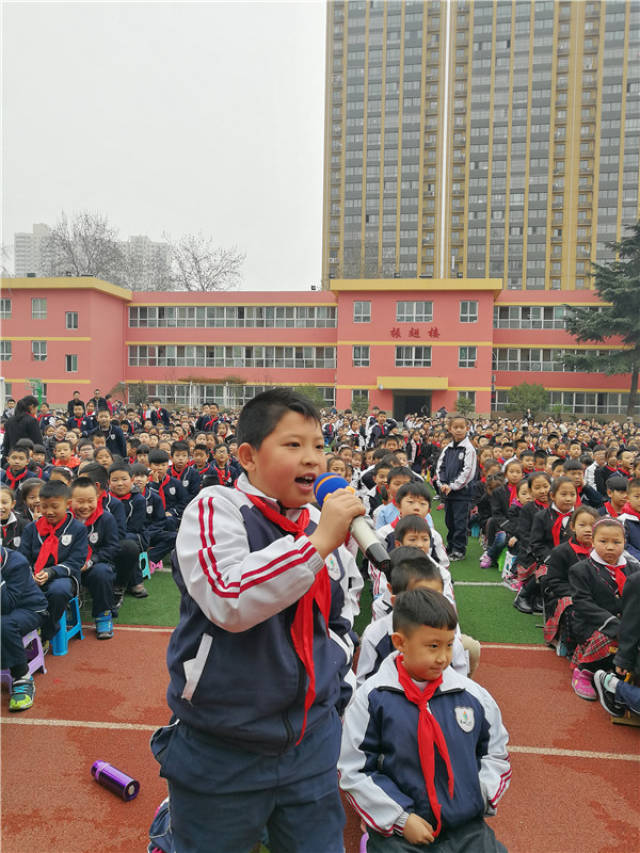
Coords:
33,644
60,642
363,843
145,565
475,530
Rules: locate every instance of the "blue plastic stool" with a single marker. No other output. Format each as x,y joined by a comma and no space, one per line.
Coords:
60,642
143,562
35,654
475,530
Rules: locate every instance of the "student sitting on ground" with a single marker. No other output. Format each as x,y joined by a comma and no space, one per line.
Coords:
182,470
23,606
12,524
597,584
128,573
630,517
556,589
501,497
174,500
414,706
56,548
16,471
411,568
98,570
619,690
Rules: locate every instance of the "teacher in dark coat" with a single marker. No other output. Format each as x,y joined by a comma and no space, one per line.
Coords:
22,425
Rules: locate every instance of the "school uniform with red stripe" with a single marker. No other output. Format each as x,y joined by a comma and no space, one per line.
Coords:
456,718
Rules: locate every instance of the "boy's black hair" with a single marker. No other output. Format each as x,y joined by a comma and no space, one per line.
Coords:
134,442
82,483
54,489
380,466
84,442
597,447
416,489
586,459
378,454
201,446
37,448
527,453
157,455
119,466
15,449
62,471
177,446
573,465
62,441
540,454
400,471
97,473
143,449
261,415
559,463
412,568
391,460
417,607
410,524
27,444
617,483
138,468
634,483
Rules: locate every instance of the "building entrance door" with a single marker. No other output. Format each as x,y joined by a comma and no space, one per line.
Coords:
408,402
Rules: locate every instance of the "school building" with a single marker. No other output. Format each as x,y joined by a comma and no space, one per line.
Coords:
403,344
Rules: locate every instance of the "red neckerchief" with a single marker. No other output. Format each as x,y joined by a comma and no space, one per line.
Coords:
224,474
161,490
628,509
610,510
209,424
173,473
513,493
429,736
578,497
617,575
395,521
557,528
90,521
5,527
72,462
319,592
121,497
13,480
540,504
577,548
79,422
49,547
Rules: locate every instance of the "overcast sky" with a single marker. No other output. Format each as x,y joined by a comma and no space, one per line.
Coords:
171,117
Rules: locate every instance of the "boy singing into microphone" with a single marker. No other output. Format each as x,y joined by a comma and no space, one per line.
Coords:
424,752
258,660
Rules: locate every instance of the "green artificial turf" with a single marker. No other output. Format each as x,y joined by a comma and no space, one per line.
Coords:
161,607
488,614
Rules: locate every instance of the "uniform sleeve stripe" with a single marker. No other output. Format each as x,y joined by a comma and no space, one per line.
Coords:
504,779
367,817
231,590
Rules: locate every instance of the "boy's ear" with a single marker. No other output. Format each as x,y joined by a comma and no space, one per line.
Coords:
398,641
246,456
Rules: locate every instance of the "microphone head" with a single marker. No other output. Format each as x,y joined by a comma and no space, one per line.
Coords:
327,483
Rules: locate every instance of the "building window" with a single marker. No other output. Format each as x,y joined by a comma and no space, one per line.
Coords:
38,309
414,312
413,356
5,350
361,356
197,355
71,319
361,312
468,311
468,395
5,309
233,316
39,350
360,395
467,356
71,363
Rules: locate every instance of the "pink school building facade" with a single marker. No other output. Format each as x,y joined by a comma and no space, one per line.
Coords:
401,344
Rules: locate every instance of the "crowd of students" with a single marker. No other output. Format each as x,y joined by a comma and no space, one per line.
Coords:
557,507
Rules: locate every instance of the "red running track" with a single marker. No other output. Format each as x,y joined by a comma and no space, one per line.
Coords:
560,801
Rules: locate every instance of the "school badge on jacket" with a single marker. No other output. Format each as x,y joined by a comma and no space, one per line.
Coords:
465,719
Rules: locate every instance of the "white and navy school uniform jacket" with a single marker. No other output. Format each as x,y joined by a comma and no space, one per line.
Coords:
73,545
115,507
154,512
19,591
12,531
103,540
631,523
457,467
135,511
175,496
379,763
189,478
234,672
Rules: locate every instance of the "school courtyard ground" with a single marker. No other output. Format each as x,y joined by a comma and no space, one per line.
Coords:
576,776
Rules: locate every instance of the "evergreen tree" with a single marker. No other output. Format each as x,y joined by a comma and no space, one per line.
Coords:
618,284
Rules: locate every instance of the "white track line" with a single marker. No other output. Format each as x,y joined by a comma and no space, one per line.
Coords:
148,629
517,648
477,583
141,727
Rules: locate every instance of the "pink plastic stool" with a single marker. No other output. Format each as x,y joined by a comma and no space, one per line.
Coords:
33,645
363,843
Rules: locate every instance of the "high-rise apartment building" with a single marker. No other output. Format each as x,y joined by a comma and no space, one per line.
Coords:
480,139
30,250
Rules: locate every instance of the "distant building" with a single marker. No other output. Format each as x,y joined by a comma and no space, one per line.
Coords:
401,344
30,252
482,139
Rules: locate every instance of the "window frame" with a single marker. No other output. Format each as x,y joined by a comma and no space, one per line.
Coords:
69,315
364,314
35,302
68,360
39,356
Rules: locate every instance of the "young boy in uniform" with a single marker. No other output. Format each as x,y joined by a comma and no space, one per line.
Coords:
415,706
256,677
455,472
182,470
56,546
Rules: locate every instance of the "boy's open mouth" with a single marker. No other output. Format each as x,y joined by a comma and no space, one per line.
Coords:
306,479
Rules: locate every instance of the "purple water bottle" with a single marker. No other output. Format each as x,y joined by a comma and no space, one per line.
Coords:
115,780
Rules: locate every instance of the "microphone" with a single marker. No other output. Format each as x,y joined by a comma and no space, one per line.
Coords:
361,528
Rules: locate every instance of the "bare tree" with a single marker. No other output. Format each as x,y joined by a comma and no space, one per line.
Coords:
86,245
199,266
